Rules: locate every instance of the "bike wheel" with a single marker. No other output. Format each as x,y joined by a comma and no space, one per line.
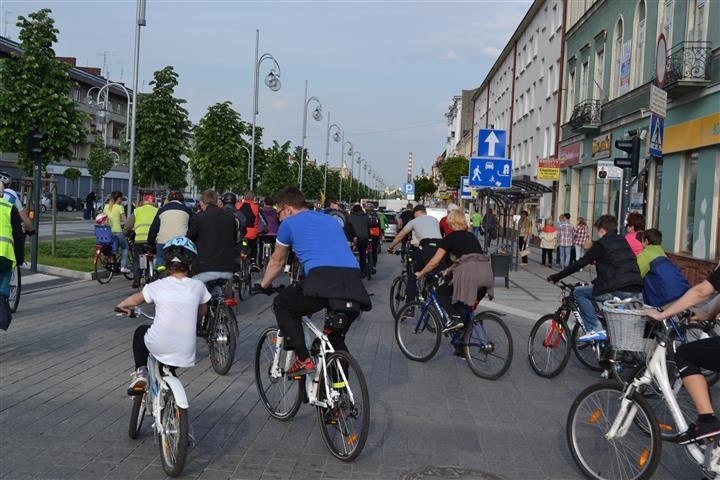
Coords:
137,414
489,349
276,391
631,456
345,426
222,339
104,267
398,295
245,278
418,331
548,349
174,430
14,298
586,352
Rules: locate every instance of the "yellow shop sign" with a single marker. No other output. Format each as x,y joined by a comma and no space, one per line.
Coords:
692,134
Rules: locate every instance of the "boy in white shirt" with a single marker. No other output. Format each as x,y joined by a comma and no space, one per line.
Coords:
179,300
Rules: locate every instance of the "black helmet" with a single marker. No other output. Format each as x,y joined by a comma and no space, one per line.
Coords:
175,195
229,198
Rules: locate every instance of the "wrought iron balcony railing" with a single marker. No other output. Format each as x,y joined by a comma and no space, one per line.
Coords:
689,61
586,115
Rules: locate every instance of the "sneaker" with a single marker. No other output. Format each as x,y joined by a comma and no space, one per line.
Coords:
593,336
139,381
453,324
699,430
125,270
301,367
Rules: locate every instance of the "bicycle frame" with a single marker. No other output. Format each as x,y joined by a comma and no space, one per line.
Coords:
159,382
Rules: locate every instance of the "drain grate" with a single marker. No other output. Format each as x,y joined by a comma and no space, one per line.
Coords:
450,472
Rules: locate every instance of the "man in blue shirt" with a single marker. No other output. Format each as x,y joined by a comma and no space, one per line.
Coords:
331,273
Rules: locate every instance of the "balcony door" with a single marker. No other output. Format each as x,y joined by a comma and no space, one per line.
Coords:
696,32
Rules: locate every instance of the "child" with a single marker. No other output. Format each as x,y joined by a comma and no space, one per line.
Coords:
178,300
548,241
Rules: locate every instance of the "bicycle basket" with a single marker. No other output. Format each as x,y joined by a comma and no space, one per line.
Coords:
103,234
626,325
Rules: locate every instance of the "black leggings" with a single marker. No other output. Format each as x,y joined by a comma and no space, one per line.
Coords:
547,253
693,356
444,296
140,351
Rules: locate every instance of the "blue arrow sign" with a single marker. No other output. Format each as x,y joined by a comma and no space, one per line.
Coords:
490,172
491,143
657,132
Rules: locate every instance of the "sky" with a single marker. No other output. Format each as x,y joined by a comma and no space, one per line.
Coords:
386,72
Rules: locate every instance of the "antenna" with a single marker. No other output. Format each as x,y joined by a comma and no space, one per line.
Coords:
6,23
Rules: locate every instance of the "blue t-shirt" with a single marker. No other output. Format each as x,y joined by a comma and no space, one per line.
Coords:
317,239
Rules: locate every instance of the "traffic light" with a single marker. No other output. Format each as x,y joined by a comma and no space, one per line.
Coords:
632,148
34,148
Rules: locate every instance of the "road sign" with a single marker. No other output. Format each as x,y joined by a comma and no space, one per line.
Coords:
491,143
658,101
466,191
661,60
657,132
490,172
409,188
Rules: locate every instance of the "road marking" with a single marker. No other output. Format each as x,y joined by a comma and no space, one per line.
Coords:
37,278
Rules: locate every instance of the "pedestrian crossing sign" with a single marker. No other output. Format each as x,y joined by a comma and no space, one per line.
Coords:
657,132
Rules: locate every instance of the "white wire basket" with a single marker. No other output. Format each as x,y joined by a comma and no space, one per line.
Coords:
626,325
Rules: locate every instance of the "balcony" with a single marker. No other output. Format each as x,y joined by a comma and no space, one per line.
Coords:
586,116
688,67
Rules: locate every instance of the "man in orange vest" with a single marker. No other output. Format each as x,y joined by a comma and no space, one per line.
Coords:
251,211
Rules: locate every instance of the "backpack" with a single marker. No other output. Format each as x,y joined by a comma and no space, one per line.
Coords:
664,283
374,223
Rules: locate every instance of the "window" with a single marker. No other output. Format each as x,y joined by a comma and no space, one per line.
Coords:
528,106
570,98
532,95
687,231
638,58
552,140
546,142
697,11
583,81
525,153
617,54
532,50
556,78
535,43
531,152
599,78
551,80
558,16
665,19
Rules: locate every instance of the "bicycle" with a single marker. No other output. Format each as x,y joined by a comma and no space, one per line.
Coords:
15,289
167,402
548,350
265,244
622,416
242,278
105,260
337,389
485,339
398,288
219,327
146,268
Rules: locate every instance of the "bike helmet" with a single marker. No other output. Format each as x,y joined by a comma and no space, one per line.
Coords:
149,198
179,249
228,198
175,195
101,219
5,178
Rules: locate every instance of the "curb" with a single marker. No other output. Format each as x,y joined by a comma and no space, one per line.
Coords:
64,272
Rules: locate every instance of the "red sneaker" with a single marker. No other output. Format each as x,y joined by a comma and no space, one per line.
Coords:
301,367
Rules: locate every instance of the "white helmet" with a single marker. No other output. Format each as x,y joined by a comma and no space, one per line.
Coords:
5,178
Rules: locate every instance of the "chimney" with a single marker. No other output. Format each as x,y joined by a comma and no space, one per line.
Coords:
72,61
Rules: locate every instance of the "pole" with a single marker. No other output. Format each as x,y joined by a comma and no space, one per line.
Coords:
327,155
36,217
302,148
342,160
624,205
251,164
140,21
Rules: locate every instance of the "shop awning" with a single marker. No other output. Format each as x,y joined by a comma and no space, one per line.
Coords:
520,192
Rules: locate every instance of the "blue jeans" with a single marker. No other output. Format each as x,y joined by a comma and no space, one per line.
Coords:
584,298
6,270
159,260
123,245
565,255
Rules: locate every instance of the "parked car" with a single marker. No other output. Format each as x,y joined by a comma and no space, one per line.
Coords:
45,203
192,204
391,229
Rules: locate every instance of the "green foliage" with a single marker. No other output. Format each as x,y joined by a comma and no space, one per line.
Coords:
312,180
218,159
424,186
452,169
100,160
34,89
162,134
278,172
72,173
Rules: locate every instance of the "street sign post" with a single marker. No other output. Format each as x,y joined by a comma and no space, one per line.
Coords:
491,143
490,172
657,133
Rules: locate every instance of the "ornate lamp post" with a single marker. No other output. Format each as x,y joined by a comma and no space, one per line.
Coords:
337,138
317,116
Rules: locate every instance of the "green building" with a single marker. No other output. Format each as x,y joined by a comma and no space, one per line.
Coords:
610,88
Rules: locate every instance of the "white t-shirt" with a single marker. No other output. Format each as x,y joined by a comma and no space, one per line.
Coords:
11,196
171,337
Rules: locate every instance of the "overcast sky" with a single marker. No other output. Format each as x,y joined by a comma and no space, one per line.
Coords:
386,71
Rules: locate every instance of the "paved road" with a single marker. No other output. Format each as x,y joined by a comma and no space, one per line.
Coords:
67,228
65,364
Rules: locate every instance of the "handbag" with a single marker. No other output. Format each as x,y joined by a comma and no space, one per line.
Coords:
525,252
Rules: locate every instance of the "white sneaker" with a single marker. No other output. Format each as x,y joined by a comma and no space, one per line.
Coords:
139,381
593,336
125,270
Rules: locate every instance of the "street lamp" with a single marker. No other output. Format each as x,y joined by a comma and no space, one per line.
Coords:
317,116
337,138
104,92
352,168
272,81
357,187
342,160
139,22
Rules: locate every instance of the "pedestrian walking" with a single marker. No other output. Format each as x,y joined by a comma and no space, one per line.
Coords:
580,237
548,241
476,222
90,199
490,226
565,239
524,227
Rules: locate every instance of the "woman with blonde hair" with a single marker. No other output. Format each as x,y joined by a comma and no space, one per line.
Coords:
469,269
548,241
116,218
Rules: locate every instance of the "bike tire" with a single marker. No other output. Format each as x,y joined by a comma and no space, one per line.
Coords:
489,348
590,417
222,339
284,404
398,295
174,435
345,427
15,289
103,274
412,323
548,346
137,415
585,352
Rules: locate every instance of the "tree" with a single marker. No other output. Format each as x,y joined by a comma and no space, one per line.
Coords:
100,160
218,159
278,172
424,186
34,89
452,169
162,134
72,174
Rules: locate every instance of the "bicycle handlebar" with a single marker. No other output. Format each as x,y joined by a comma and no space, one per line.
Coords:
134,313
256,289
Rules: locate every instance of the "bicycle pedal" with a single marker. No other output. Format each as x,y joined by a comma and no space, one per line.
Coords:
133,392
297,377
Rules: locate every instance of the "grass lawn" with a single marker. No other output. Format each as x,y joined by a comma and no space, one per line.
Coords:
75,254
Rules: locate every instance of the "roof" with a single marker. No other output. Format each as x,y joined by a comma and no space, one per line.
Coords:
519,192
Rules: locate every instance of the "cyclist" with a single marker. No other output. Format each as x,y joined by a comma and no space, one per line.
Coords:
179,302
333,209
425,232
618,275
140,221
271,221
470,271
12,196
445,229
331,273
214,231
692,356
116,218
361,226
228,201
251,211
171,221
376,232
12,251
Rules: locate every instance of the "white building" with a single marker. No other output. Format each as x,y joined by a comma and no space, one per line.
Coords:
454,134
